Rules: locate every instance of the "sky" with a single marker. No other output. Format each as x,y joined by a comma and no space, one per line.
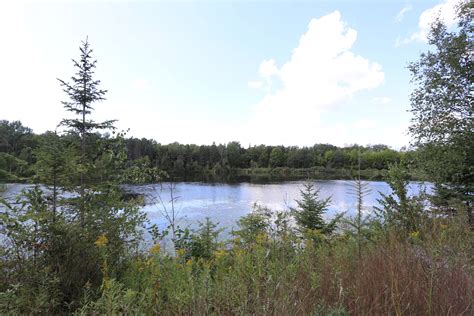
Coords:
257,72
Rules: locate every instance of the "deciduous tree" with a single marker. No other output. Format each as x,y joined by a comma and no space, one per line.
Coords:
442,105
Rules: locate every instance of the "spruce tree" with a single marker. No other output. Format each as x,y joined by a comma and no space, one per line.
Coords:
52,160
359,190
398,209
83,92
310,211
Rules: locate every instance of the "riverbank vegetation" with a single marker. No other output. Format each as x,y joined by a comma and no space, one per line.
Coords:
85,252
223,162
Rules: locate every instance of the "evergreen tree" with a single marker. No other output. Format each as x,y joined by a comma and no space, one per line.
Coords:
398,209
52,163
310,211
83,93
360,190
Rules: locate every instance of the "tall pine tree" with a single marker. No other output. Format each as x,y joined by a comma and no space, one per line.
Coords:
83,92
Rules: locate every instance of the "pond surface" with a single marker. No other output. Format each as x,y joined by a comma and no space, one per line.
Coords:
226,203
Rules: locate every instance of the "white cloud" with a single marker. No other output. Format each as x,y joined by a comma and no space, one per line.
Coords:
268,68
401,14
381,100
255,84
445,11
322,73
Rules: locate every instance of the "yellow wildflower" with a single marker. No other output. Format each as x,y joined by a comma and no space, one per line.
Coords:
261,238
415,234
180,252
107,283
220,253
239,253
189,262
101,241
155,249
149,262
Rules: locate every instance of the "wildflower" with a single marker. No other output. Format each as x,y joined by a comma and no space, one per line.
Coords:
149,262
261,238
315,235
155,249
107,283
415,234
239,253
180,252
220,253
189,263
101,241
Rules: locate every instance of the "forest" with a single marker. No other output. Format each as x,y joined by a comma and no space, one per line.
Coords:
94,251
223,162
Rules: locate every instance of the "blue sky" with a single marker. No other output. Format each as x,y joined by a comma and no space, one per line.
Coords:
272,72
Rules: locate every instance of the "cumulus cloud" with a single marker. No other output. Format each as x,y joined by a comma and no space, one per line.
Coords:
268,68
401,14
322,73
445,11
255,84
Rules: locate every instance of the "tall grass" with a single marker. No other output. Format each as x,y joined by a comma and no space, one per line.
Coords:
272,275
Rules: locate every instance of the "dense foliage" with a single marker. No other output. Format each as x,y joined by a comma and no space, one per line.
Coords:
321,161
443,111
17,143
47,238
215,162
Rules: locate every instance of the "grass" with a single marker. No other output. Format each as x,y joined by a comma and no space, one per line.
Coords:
284,275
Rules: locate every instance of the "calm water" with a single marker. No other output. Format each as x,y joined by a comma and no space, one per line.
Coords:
226,203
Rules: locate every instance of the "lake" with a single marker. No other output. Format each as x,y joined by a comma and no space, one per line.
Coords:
226,203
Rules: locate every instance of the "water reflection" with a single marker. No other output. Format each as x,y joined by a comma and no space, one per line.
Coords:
226,203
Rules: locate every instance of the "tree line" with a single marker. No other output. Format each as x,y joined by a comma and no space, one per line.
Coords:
19,146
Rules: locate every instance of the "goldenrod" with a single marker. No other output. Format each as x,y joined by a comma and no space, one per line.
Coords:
101,241
155,249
